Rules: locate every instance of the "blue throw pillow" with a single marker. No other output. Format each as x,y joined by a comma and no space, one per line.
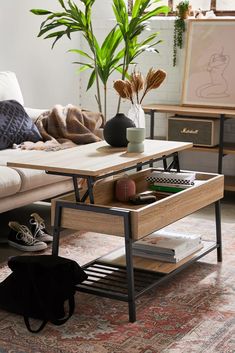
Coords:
15,125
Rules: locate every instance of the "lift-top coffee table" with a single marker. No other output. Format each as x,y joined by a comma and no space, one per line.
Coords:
94,208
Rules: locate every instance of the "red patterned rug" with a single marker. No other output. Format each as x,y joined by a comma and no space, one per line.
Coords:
194,312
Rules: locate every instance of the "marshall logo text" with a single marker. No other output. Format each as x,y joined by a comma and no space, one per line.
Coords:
189,131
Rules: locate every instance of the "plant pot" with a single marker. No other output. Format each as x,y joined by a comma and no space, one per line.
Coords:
184,15
115,130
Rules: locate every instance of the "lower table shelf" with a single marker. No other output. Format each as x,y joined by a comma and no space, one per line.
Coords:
107,275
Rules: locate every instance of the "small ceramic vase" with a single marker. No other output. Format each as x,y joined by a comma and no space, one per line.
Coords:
135,136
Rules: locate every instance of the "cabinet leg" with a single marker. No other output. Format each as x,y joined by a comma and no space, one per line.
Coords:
152,125
132,311
56,229
218,230
129,269
221,144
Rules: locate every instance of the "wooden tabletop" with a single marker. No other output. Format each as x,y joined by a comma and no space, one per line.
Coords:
94,159
180,109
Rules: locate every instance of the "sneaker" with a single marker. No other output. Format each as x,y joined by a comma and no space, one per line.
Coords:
38,228
21,238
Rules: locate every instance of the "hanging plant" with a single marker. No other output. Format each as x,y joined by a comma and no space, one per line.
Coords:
183,9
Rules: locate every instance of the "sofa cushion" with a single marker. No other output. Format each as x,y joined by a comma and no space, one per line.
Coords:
30,178
10,181
15,125
34,113
9,87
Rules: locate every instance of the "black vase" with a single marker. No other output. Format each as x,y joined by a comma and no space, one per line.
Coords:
115,130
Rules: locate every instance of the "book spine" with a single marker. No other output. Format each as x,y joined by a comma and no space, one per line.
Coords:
157,257
182,186
169,189
168,258
177,251
187,177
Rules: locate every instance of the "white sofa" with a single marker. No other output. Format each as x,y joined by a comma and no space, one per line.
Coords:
19,187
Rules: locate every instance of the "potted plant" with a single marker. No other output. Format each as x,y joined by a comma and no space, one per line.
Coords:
182,10
119,49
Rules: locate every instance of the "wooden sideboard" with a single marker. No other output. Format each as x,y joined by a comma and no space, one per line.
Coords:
219,113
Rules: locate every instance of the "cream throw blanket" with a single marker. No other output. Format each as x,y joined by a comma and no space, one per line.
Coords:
65,127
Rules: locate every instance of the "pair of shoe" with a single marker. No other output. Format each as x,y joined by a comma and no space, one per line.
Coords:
36,239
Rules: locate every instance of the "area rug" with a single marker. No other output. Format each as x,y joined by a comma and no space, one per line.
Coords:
193,312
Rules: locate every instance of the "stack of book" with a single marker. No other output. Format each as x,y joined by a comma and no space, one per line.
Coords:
170,181
167,246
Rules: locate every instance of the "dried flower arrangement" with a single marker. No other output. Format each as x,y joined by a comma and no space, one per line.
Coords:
130,89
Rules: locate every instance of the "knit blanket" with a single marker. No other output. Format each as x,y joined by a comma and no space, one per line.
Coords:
65,127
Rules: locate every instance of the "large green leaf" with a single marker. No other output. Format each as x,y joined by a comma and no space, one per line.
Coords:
83,68
80,52
48,28
139,7
91,80
62,4
84,64
155,12
40,12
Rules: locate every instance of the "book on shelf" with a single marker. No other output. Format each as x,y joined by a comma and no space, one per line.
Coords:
171,178
166,242
167,187
167,257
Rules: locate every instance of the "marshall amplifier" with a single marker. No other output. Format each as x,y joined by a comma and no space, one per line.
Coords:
199,131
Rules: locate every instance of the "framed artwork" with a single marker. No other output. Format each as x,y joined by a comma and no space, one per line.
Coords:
209,77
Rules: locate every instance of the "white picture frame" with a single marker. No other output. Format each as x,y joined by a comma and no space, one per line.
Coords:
209,75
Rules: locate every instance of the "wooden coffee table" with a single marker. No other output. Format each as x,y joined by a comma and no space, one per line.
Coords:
95,209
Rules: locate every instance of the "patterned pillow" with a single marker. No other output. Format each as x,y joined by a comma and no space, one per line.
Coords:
15,125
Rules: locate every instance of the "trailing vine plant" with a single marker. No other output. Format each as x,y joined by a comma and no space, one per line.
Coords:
183,9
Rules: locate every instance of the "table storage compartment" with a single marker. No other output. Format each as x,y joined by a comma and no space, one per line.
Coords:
145,219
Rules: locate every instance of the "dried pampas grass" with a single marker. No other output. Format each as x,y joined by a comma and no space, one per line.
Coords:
153,80
128,88
124,89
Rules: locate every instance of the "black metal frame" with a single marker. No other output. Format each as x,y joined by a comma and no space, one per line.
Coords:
174,164
123,282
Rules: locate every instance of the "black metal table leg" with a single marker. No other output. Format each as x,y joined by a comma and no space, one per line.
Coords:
152,124
139,167
76,189
218,230
129,268
56,229
176,162
221,144
90,183
164,163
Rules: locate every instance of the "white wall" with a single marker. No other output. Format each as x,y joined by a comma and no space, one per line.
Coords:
46,76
